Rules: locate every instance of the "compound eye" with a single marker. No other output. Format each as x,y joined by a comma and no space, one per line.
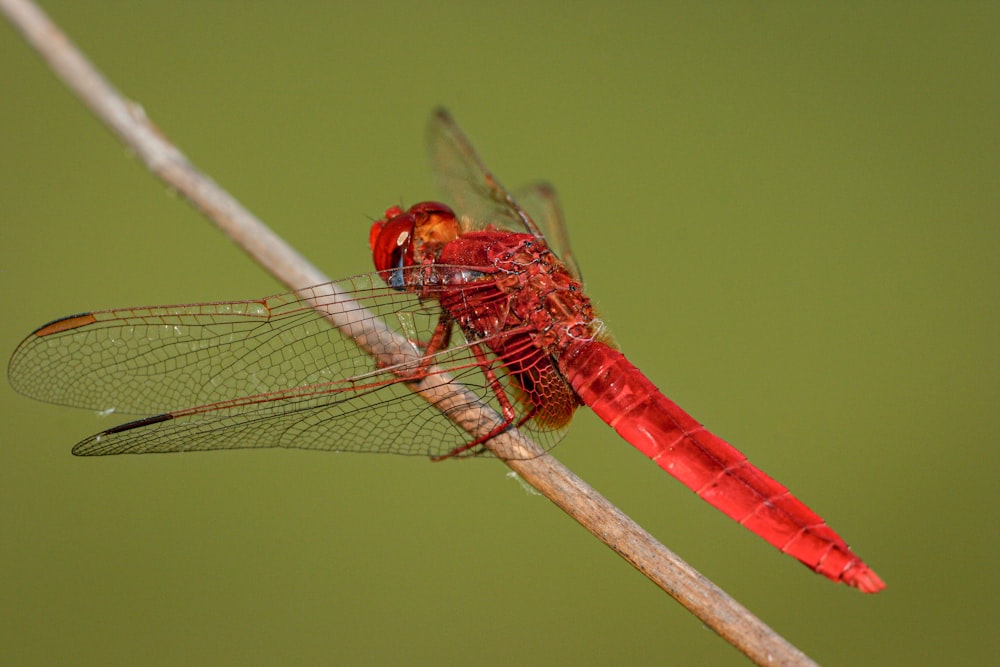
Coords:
392,247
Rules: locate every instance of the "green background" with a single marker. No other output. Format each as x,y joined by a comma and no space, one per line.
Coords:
788,214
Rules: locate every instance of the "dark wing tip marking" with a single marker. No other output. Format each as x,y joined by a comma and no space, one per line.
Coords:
93,446
65,324
139,423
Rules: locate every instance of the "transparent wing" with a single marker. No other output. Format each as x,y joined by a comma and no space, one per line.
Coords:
472,190
270,372
480,199
542,204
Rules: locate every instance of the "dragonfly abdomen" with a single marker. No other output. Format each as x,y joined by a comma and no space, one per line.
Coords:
715,470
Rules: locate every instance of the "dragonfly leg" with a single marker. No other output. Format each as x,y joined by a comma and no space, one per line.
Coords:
506,408
441,337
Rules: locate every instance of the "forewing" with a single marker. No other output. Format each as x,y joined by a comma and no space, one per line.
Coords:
480,199
542,204
473,191
271,372
153,359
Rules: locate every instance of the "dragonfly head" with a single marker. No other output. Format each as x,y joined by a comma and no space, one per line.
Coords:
415,236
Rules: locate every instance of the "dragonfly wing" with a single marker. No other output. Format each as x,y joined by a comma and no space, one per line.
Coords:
377,413
480,199
472,190
542,204
154,359
270,372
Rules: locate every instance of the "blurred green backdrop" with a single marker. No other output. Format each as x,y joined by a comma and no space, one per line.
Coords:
789,215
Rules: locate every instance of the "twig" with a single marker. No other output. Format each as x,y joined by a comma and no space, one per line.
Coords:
127,120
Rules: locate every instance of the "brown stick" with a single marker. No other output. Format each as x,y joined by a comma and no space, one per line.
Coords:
606,522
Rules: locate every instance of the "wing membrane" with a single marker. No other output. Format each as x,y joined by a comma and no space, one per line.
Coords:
270,372
479,198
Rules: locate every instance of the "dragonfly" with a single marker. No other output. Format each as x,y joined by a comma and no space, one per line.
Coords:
478,303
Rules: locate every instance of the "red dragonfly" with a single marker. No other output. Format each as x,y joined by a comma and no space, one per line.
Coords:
490,299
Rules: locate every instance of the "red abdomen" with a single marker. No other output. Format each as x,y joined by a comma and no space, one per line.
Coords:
719,473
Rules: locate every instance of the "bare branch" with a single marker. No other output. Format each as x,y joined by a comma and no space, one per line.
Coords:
128,121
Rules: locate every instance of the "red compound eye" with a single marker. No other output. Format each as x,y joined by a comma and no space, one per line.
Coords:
392,247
